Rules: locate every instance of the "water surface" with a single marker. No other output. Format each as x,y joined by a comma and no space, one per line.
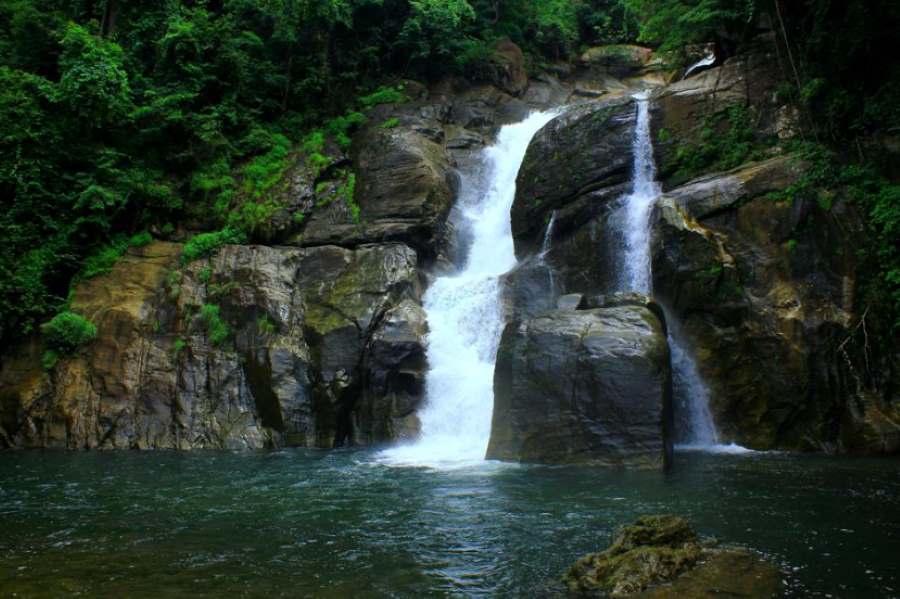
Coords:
299,523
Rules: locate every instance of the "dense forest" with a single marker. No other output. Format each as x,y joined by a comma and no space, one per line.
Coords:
128,121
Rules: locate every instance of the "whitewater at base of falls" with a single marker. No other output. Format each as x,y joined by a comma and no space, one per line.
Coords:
465,314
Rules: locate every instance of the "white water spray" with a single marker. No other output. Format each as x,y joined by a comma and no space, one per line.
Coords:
465,315
548,235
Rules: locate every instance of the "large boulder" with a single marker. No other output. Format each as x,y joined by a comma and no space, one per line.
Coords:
256,346
573,165
618,59
662,556
504,68
586,386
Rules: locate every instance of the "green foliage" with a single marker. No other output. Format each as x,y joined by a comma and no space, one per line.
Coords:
675,24
827,179
265,326
217,330
178,346
93,82
725,140
205,244
205,274
389,123
68,331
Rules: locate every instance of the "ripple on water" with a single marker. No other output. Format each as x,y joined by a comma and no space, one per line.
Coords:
302,523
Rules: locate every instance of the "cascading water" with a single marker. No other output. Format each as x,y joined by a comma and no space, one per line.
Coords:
545,249
636,275
707,61
465,314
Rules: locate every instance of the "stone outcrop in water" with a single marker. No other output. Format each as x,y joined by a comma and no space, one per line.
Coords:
661,556
584,386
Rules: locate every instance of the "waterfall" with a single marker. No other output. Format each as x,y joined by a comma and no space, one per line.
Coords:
548,235
545,249
635,276
700,64
465,314
690,395
690,392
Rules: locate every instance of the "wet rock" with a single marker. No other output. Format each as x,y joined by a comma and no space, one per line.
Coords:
620,60
403,190
575,164
571,301
661,556
587,386
395,368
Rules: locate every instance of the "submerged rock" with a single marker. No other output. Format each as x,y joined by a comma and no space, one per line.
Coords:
584,386
661,556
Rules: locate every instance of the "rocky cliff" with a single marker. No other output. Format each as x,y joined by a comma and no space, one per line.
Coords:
316,337
761,282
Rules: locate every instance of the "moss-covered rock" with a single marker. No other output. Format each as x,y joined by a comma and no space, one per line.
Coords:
661,556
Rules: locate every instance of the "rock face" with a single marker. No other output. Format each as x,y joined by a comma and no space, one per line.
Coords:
404,192
305,328
767,301
661,556
585,386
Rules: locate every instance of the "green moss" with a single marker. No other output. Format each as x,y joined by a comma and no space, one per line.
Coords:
390,123
383,95
68,331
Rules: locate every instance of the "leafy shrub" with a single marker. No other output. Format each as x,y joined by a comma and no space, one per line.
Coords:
141,239
216,329
383,95
68,331
205,244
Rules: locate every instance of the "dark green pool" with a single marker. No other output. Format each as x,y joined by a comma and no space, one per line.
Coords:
336,524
